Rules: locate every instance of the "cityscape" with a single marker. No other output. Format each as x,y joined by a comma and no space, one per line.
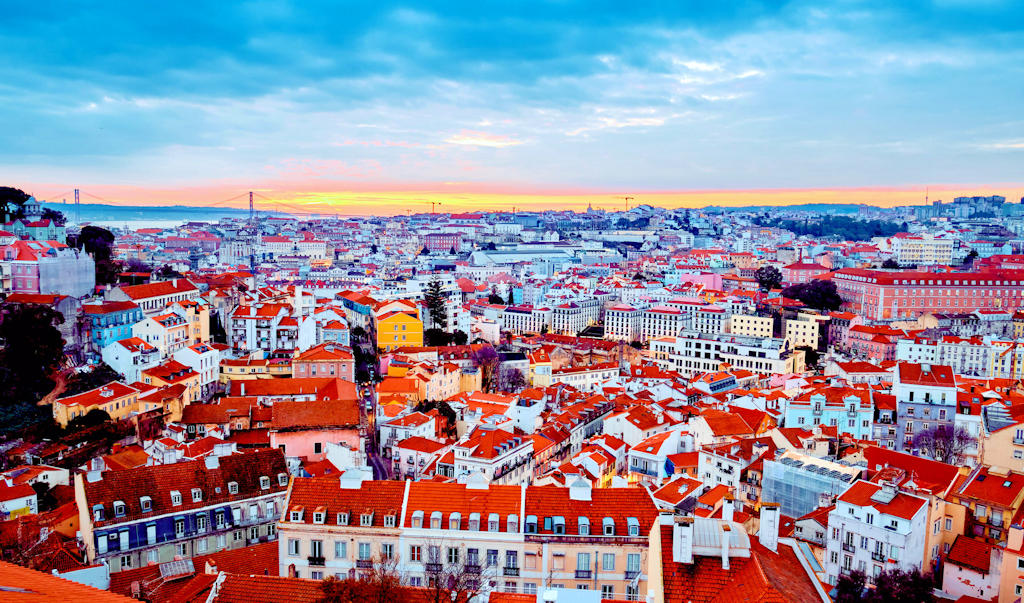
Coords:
546,303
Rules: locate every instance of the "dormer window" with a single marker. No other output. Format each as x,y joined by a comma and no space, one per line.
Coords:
584,526
531,524
319,516
146,503
295,514
366,519
512,523
197,495
282,479
417,519
232,487
455,521
633,525
390,520
608,526
492,522
264,482
118,508
97,513
474,522
175,498
435,520
343,518
559,525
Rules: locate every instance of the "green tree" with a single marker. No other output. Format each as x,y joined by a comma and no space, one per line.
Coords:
902,586
768,278
99,242
83,382
12,202
437,337
818,294
890,264
436,306
51,214
459,337
850,587
31,353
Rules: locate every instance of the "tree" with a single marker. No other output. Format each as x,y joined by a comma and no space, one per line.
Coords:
902,586
51,214
811,355
511,380
459,337
445,411
94,417
32,351
137,265
99,243
83,382
890,264
487,360
494,298
768,278
450,579
452,250
437,337
511,297
436,306
373,248
817,294
381,584
944,443
217,332
12,202
167,272
850,587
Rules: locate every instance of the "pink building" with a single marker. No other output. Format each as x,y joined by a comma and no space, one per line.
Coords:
303,429
325,360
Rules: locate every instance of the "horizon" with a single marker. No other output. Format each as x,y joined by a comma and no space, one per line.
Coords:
376,108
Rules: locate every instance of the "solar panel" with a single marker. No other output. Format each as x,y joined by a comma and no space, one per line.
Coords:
180,567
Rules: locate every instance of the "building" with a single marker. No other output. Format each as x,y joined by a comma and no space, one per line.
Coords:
585,378
926,399
306,429
751,326
107,322
663,321
849,410
526,319
154,297
891,295
398,324
498,455
521,539
168,332
130,356
873,528
800,483
693,352
325,360
922,251
622,323
118,400
159,513
48,267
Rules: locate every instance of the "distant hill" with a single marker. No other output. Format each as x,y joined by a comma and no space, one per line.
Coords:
824,208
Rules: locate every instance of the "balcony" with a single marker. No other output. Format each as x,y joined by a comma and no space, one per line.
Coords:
583,574
630,574
510,571
472,568
320,561
364,563
849,548
878,556
432,568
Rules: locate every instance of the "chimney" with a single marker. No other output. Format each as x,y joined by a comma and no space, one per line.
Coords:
94,476
682,540
768,533
241,387
726,535
727,508
579,490
174,282
926,368
211,461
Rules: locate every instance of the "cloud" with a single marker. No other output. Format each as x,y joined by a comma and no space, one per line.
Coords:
482,139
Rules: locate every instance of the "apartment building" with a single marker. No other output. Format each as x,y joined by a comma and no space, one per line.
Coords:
692,352
585,378
168,332
622,323
526,319
662,321
873,528
922,250
159,513
520,539
154,297
501,457
751,326
886,295
926,398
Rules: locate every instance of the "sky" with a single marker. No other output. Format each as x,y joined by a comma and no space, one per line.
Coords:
375,107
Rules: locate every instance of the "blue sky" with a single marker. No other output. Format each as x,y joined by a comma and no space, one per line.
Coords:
559,96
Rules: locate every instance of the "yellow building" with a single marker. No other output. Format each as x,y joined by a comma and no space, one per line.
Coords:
540,368
115,398
751,326
398,325
801,333
197,317
173,372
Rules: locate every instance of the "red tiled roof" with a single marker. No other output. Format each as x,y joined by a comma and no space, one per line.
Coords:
268,589
970,553
936,375
902,505
23,585
292,416
158,289
992,488
379,497
100,395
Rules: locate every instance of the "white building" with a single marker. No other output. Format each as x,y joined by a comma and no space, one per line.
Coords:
130,357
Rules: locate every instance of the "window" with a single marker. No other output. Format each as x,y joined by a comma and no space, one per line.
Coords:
175,498
510,587
202,522
366,519
454,521
417,519
492,522
146,503
293,547
492,557
512,523
416,553
609,526
633,562
949,524
583,561
232,487
282,479
340,549
511,559
608,562
197,495
634,526
343,518
318,447
118,508
453,555
295,515
179,528
264,483
387,550
607,591
218,519
435,520
126,561
389,521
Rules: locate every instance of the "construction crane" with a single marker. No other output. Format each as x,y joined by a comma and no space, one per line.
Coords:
433,204
627,200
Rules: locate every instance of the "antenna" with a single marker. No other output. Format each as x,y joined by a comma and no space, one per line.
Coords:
252,211
78,212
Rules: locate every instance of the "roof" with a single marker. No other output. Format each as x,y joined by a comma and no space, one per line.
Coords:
317,414
377,497
902,505
23,585
158,481
970,553
148,290
935,375
100,395
268,589
989,486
